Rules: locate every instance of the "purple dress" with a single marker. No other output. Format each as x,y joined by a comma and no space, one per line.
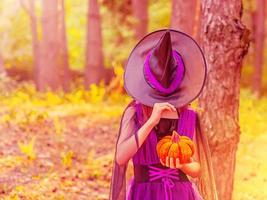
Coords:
164,186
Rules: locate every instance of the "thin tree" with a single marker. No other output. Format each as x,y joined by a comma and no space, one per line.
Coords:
94,53
259,22
225,42
63,50
185,16
29,7
140,12
53,72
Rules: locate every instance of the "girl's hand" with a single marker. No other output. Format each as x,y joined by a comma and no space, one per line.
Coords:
169,163
158,108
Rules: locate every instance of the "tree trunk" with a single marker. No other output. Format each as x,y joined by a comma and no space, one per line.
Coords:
259,46
29,7
183,16
64,65
197,25
53,57
94,54
35,42
48,74
140,12
225,42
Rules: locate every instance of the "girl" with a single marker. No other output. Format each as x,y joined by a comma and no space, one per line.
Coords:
163,77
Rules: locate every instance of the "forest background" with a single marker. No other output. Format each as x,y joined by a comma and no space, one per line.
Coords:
62,95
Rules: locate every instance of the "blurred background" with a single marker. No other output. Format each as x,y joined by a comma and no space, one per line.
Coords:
62,95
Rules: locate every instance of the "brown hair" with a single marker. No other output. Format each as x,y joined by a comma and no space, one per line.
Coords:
146,110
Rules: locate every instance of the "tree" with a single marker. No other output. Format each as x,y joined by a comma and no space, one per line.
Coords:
259,22
141,14
94,53
225,42
185,16
29,7
54,71
63,47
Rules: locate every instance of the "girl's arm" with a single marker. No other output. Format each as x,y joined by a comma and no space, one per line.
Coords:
127,147
193,168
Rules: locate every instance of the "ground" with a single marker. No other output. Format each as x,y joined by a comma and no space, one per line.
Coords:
65,150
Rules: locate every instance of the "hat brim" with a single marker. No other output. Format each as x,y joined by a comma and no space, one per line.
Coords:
192,84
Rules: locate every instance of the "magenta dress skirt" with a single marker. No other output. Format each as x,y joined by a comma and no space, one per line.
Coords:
152,182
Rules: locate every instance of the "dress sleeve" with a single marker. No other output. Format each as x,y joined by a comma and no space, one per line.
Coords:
118,177
128,126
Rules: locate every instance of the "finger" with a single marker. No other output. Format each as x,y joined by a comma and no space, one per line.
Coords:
178,165
167,161
171,163
165,107
172,106
161,161
168,104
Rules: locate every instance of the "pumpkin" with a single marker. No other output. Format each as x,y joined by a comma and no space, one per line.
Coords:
175,146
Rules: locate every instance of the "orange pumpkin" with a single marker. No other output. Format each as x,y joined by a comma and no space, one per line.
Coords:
175,146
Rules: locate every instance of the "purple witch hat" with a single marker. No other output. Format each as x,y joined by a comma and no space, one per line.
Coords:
165,66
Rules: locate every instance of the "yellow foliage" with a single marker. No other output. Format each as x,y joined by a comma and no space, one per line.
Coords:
19,188
38,106
118,69
66,158
13,197
252,114
59,127
28,148
96,93
53,98
76,97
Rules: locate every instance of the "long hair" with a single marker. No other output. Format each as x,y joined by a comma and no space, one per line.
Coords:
147,111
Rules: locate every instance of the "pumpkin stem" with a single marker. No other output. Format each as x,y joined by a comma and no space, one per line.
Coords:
175,137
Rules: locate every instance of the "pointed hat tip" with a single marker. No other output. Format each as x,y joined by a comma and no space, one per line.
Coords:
165,39
167,34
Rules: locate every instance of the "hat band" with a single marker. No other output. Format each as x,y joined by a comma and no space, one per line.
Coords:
154,83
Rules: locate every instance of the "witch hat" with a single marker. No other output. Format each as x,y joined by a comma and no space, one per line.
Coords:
165,66
161,62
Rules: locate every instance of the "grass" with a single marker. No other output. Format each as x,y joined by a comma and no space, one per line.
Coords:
251,166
